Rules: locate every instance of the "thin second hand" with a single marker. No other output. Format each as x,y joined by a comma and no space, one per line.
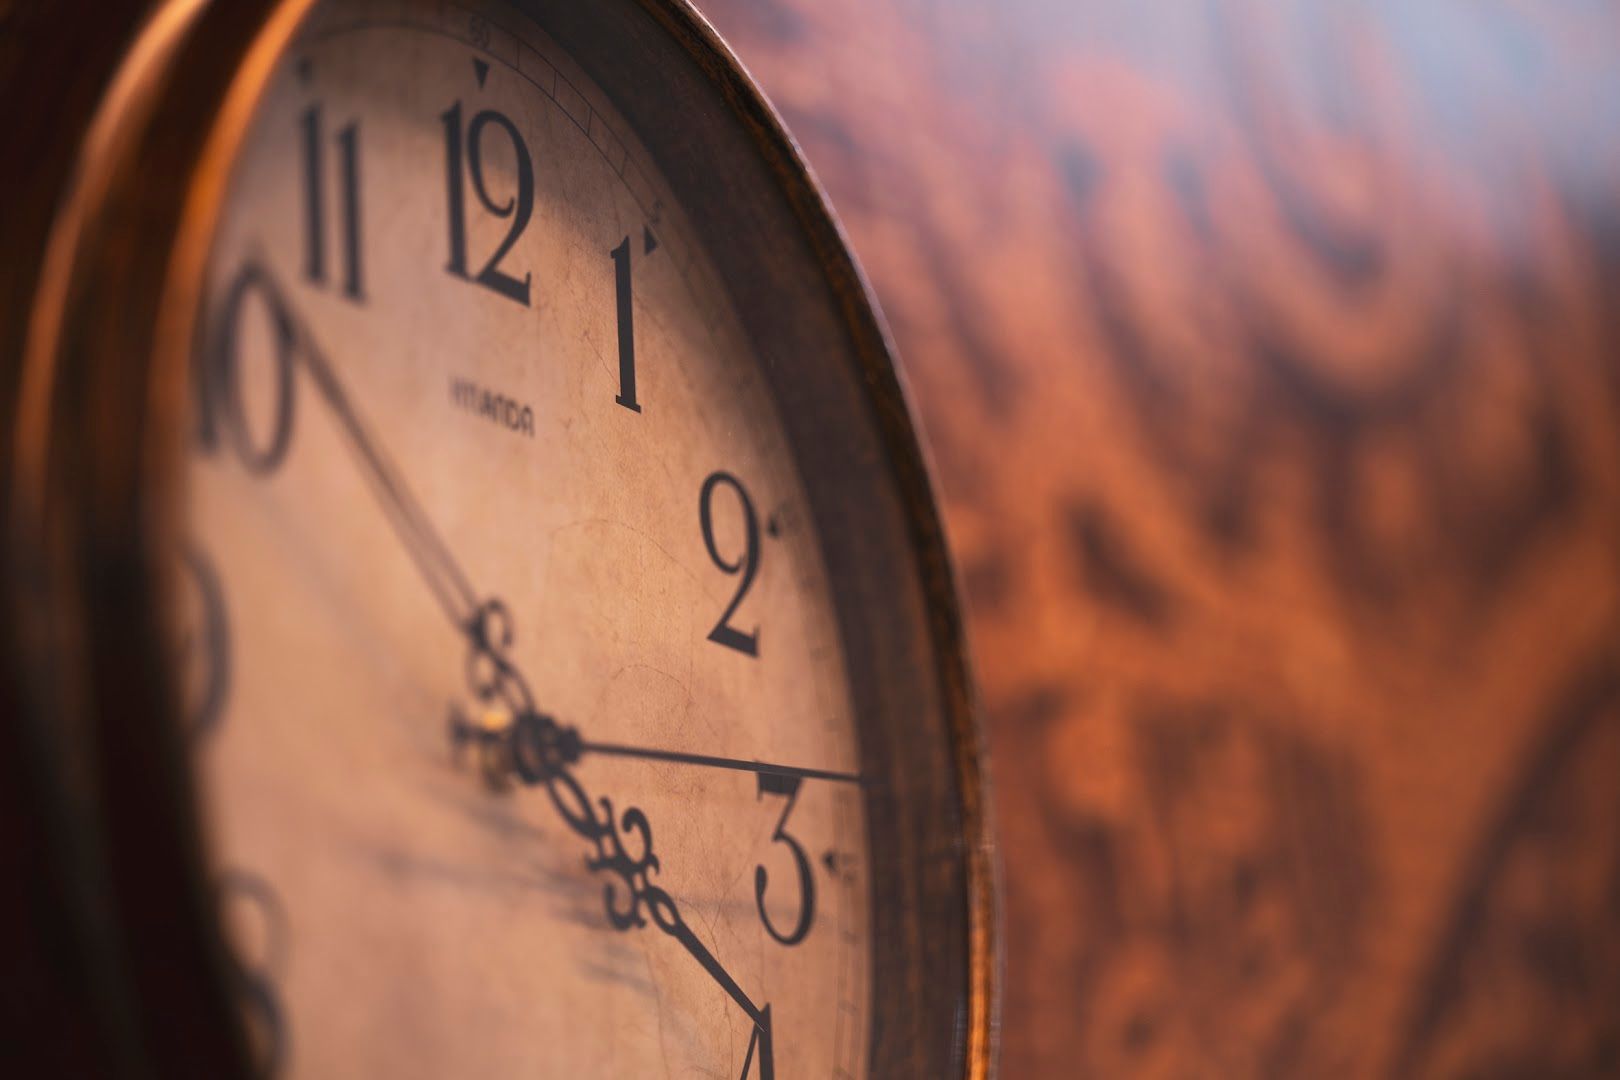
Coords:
710,761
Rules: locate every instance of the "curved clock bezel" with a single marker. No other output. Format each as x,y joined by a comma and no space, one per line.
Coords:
96,513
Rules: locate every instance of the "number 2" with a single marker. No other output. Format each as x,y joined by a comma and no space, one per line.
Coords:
747,563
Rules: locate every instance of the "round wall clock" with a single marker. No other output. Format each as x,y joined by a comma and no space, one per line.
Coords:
476,604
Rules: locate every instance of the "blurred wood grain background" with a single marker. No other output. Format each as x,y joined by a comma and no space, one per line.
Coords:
1269,354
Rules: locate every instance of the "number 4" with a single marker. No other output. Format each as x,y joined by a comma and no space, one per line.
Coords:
760,1038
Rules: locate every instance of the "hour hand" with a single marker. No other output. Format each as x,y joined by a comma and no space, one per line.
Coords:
542,755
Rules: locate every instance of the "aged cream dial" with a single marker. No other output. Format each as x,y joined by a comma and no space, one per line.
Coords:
521,709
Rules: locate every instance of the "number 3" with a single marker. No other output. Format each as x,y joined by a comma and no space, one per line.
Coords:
772,784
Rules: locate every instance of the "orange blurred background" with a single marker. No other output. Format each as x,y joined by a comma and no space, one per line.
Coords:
1268,357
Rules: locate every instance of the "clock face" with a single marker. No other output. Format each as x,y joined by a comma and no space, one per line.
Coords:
518,697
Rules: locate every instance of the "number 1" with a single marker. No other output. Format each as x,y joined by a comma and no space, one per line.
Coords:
627,327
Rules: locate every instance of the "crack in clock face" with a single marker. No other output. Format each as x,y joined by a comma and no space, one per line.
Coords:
434,207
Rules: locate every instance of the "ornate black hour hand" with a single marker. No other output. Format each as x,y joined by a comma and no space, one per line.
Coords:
542,755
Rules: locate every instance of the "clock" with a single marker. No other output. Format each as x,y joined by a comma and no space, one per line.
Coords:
476,601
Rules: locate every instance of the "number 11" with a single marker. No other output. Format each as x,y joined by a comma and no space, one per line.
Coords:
348,141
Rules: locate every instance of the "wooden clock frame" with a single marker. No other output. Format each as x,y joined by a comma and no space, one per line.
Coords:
98,404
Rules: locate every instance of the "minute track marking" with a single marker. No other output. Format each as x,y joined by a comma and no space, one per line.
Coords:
541,751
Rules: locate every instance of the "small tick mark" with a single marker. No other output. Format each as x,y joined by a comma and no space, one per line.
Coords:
837,863
649,242
305,70
480,69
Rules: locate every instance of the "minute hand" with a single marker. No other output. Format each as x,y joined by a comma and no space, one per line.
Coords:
438,567
487,624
